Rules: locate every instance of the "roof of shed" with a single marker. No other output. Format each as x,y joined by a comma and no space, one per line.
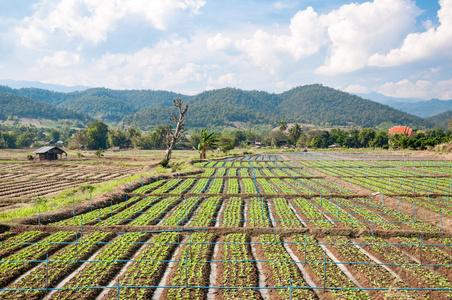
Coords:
49,149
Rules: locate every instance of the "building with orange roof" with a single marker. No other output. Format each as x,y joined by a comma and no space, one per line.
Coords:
401,130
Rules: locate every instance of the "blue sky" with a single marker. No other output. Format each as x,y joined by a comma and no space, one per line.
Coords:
400,48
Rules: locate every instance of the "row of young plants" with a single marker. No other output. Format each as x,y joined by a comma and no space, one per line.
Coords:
129,213
232,213
147,268
238,269
99,271
156,212
49,273
192,268
180,215
286,218
149,187
421,276
315,217
266,187
184,186
205,214
338,214
249,186
200,186
257,213
283,186
216,186
434,204
170,184
405,218
18,241
375,275
326,271
233,186
95,215
368,172
427,254
361,208
336,163
283,272
19,262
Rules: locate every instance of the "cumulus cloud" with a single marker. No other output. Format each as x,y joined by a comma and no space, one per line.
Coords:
420,89
356,31
60,59
218,43
92,20
434,42
267,51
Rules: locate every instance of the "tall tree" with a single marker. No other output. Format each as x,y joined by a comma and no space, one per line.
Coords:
172,137
294,133
97,134
208,141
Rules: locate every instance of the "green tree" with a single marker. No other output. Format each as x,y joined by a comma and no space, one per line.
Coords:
116,138
365,136
380,140
97,134
208,141
294,133
283,126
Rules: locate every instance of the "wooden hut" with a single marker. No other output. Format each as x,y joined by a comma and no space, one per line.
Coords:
50,153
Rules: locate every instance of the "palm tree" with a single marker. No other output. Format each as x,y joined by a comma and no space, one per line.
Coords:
295,132
283,126
208,141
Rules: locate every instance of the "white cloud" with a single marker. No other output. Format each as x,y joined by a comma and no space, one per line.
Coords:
420,89
60,59
356,31
356,89
92,20
218,42
435,42
267,51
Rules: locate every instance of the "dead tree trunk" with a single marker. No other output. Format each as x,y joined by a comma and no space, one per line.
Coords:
172,137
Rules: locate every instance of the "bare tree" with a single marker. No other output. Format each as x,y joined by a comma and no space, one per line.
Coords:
172,137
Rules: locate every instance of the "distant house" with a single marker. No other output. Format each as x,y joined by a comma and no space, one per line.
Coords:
50,153
401,130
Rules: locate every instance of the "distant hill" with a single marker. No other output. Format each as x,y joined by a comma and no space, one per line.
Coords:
424,108
314,104
22,107
34,84
308,104
441,120
417,107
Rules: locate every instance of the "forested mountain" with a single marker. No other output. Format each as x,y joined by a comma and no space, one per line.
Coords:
22,107
224,107
441,120
318,104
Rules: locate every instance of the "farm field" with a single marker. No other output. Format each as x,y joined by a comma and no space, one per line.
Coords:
271,226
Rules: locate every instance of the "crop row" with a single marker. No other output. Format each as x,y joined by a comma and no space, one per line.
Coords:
205,214
56,267
129,213
147,267
192,268
98,271
325,271
153,214
21,261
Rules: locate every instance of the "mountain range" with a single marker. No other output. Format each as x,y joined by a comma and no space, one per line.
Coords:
227,107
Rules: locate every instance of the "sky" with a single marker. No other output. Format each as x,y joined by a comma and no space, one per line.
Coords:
399,48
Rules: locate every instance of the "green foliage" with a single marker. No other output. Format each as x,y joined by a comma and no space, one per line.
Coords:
97,134
22,107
